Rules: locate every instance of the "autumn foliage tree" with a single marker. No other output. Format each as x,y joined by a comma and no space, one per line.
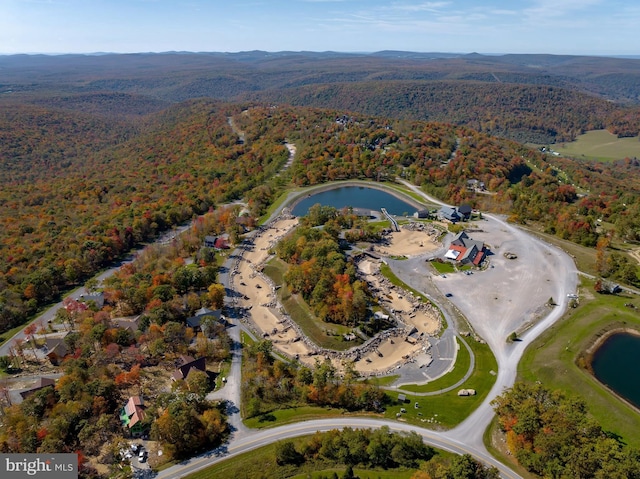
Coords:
552,435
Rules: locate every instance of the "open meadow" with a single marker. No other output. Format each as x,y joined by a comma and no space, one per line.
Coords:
600,145
554,357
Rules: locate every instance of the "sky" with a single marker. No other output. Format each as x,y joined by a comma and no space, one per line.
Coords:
583,27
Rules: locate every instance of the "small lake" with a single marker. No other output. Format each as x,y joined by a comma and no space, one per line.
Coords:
355,197
615,364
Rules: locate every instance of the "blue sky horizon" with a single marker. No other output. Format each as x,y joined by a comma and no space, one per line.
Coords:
572,27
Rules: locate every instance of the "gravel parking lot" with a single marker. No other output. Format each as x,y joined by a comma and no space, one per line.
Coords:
510,294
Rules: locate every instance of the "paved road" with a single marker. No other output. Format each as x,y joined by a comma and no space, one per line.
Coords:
521,287
50,313
261,438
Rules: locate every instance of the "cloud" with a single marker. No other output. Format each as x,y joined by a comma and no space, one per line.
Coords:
558,8
420,7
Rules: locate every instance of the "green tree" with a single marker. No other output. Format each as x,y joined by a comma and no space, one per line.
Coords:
198,382
286,453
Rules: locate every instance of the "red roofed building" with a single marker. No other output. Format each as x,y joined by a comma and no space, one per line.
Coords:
465,250
132,415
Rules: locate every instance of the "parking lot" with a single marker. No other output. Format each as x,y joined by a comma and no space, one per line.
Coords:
510,293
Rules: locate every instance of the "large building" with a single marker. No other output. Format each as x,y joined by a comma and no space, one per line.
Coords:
465,250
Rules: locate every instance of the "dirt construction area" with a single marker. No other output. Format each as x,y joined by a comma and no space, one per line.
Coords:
257,296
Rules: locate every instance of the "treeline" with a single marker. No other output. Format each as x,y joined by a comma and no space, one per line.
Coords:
107,362
269,384
364,447
64,225
38,142
552,435
379,449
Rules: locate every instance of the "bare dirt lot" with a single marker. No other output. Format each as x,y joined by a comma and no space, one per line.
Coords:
408,243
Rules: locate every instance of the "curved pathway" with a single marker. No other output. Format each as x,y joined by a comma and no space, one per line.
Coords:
472,365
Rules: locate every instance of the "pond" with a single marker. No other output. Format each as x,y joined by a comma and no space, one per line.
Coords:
356,197
615,364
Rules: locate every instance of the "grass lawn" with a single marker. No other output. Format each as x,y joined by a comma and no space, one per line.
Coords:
281,417
552,358
245,339
7,335
600,145
442,268
225,367
382,381
448,409
461,367
410,193
361,473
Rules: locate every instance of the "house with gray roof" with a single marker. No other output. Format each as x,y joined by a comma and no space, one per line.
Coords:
449,213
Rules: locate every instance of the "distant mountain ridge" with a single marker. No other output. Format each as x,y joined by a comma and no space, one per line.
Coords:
606,89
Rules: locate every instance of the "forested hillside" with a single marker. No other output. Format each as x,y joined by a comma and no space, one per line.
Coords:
98,194
90,207
539,114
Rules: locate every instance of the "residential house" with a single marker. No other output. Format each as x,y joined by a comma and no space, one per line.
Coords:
96,297
465,211
41,383
449,213
424,213
132,416
465,250
132,323
217,242
476,185
187,365
195,321
56,349
210,241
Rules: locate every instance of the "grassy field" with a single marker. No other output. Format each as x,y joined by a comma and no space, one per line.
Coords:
382,381
600,145
281,417
552,358
361,473
463,360
439,411
448,409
